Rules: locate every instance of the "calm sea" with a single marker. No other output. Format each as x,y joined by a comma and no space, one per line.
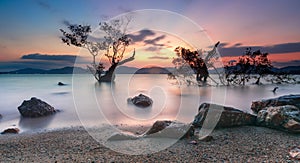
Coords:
83,101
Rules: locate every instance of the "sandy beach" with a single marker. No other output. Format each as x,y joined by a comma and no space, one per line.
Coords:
239,144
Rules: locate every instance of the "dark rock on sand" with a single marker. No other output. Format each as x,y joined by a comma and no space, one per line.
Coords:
229,116
11,131
280,101
35,108
207,138
61,83
140,100
171,129
163,129
285,117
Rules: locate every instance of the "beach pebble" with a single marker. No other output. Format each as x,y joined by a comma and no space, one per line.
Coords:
295,153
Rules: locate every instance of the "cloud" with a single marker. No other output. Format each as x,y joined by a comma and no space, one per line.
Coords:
284,64
37,56
237,49
153,48
158,57
155,40
142,34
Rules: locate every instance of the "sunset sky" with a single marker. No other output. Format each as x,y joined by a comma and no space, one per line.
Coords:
32,26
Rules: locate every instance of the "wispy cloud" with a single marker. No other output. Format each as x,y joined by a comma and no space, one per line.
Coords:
155,40
37,56
142,35
238,49
158,57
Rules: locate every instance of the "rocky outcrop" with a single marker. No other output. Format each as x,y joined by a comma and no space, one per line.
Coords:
285,117
171,129
280,101
229,117
140,100
160,129
11,131
35,108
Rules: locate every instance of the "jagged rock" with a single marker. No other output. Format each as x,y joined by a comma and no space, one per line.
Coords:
0,116
280,101
163,129
229,116
170,129
285,117
35,108
60,83
140,100
11,131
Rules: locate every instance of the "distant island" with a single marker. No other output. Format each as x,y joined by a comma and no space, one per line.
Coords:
128,70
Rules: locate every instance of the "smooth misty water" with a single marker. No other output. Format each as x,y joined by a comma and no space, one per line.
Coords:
85,102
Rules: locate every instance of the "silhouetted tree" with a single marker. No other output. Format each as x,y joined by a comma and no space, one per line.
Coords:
113,45
190,62
253,65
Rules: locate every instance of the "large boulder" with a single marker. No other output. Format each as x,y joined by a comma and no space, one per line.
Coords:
222,116
35,108
286,117
280,101
140,100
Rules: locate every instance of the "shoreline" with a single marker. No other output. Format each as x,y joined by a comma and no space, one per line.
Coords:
74,144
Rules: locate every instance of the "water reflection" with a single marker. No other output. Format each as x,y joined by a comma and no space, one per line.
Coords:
35,123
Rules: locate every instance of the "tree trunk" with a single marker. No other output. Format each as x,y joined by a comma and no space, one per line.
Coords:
258,80
109,75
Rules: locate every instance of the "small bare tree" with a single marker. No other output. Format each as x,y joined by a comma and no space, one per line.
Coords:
113,45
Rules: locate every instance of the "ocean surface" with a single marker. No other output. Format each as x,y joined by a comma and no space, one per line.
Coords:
84,102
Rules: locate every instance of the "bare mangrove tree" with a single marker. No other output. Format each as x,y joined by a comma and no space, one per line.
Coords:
112,45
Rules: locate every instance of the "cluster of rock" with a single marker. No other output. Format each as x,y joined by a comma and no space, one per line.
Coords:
281,113
140,100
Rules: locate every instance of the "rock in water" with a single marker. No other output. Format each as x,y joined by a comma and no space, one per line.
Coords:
229,116
140,100
285,117
35,108
60,83
280,101
11,131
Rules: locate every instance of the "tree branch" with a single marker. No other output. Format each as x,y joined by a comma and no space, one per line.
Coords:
127,59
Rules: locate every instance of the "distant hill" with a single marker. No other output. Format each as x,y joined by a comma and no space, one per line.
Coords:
285,70
153,70
65,70
131,70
